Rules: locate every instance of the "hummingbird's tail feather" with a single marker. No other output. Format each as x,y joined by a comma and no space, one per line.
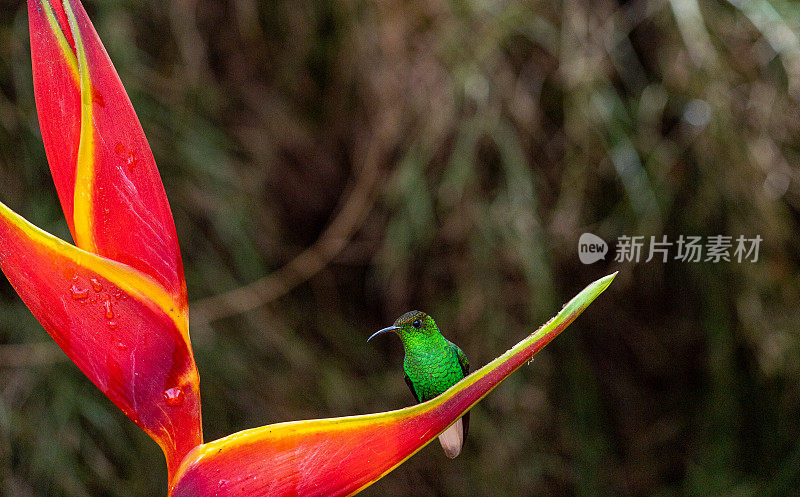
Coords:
452,439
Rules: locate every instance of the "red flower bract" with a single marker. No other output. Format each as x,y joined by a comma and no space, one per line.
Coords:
341,456
116,303
126,329
115,323
102,166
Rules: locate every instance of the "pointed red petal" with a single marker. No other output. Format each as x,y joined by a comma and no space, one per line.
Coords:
117,324
102,166
333,457
55,78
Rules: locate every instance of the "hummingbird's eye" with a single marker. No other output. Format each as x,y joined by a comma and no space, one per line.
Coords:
416,324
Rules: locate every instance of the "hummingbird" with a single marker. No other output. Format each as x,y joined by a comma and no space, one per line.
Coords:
432,364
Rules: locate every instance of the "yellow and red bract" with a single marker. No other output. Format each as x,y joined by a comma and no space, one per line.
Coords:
104,171
117,324
342,456
116,302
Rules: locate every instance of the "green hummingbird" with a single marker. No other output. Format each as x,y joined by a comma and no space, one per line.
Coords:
432,364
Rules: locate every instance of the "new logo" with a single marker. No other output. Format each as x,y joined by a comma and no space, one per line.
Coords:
591,248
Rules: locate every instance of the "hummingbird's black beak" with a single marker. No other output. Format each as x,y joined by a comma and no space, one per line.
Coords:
388,328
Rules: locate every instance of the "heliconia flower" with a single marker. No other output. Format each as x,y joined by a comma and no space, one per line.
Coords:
116,302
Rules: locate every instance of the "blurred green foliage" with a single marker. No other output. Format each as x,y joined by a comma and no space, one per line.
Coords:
496,133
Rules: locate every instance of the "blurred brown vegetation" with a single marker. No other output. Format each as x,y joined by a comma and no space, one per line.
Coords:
356,160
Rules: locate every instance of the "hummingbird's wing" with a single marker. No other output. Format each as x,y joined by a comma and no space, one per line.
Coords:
411,387
462,360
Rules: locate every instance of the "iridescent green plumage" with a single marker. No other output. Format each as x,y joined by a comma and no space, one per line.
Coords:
432,364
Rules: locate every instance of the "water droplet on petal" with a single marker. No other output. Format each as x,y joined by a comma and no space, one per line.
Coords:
121,345
222,483
126,155
79,294
131,161
97,98
96,284
112,325
109,310
173,396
